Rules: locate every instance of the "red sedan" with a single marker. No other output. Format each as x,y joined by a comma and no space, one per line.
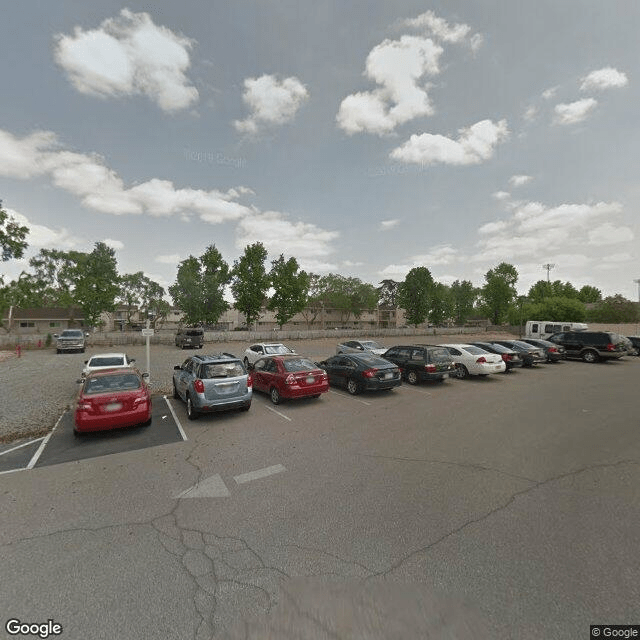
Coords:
112,399
289,377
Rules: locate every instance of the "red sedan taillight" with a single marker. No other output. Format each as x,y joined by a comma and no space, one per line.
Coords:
481,360
198,385
552,350
506,357
369,373
431,368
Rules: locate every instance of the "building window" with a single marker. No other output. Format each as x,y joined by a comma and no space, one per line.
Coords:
54,324
24,325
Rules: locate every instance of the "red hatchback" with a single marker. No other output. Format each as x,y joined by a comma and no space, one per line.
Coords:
289,377
112,399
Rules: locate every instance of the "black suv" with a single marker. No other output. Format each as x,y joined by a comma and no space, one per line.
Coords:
591,346
421,362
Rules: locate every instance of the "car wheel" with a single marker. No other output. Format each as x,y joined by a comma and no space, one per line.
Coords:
147,423
57,350
316,396
462,371
590,356
246,407
192,414
176,395
275,395
352,386
78,434
412,377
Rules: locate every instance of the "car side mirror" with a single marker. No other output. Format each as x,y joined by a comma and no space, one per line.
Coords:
177,368
86,361
132,360
79,381
145,375
250,366
55,335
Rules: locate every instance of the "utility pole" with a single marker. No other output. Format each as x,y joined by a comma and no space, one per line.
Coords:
637,281
548,267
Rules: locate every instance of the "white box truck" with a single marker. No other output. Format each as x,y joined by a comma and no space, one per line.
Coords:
542,329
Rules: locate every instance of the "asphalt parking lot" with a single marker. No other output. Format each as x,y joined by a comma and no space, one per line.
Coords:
510,503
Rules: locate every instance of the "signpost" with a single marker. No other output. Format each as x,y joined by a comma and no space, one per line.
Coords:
148,333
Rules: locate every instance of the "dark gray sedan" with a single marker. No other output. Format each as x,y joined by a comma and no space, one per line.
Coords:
358,372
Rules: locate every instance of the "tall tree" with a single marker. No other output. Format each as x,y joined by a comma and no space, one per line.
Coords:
12,236
414,295
616,309
139,293
57,273
441,304
291,289
589,294
250,282
388,293
349,296
463,295
98,283
315,299
499,291
199,287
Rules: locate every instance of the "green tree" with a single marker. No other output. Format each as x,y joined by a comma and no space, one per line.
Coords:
56,274
349,296
414,295
98,283
291,289
12,236
463,296
615,309
250,282
315,299
199,287
441,304
589,294
499,291
140,294
562,309
388,294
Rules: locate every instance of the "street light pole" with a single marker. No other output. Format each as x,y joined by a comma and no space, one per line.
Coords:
548,267
637,281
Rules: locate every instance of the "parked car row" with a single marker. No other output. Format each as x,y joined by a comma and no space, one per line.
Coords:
115,394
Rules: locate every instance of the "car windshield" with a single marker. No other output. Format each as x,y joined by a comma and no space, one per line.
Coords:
109,384
194,332
71,333
273,349
475,351
298,364
103,361
440,355
372,361
221,370
371,344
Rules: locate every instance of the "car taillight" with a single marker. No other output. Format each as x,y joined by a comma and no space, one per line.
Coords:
430,368
552,350
481,360
249,381
506,357
198,385
290,379
611,347
369,373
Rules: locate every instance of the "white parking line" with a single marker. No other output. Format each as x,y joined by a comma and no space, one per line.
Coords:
260,473
280,414
350,397
424,393
211,487
175,417
24,444
38,453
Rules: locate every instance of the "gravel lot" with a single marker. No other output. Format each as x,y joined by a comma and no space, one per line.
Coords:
39,386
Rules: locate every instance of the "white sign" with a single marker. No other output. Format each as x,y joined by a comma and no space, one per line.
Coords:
147,332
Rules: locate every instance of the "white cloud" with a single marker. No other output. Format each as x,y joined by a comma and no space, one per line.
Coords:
271,101
474,145
617,258
114,244
574,112
608,233
442,30
547,94
385,225
501,195
41,236
519,180
172,258
278,234
438,255
530,113
398,67
129,55
493,227
101,189
606,78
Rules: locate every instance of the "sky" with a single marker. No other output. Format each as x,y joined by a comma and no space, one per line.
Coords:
363,138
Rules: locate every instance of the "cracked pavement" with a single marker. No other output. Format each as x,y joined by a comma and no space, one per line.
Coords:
496,508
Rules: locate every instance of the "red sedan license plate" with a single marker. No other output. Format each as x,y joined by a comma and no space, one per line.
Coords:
114,406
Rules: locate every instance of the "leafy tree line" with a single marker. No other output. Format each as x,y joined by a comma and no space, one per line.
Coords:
91,281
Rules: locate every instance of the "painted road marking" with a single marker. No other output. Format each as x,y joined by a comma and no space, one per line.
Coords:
424,393
260,473
212,487
350,397
175,417
280,414
24,444
38,453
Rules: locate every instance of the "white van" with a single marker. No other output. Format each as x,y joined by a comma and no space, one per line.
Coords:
542,329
